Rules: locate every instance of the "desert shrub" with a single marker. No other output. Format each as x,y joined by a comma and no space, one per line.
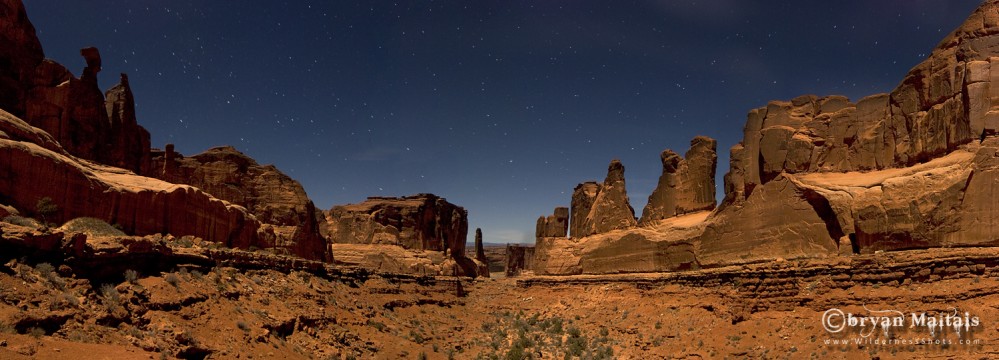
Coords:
91,227
46,208
172,279
376,325
44,269
421,356
131,276
110,296
22,221
417,337
36,332
576,344
516,352
243,326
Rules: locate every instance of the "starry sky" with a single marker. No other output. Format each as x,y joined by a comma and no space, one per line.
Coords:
500,106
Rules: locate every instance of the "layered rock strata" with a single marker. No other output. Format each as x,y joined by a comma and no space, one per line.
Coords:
420,222
139,205
274,198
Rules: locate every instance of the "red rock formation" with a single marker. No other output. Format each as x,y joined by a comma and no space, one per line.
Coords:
421,222
686,184
518,259
129,142
425,224
271,196
556,225
583,197
73,111
609,208
32,166
20,54
480,252
821,177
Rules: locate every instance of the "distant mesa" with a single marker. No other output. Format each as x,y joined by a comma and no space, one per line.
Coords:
420,223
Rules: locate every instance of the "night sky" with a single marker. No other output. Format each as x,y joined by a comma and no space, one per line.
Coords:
500,106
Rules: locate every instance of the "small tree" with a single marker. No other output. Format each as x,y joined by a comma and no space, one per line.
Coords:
46,208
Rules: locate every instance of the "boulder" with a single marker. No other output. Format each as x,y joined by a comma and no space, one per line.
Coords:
686,185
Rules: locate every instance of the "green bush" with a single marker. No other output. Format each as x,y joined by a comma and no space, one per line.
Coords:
46,208
22,221
131,276
172,279
91,227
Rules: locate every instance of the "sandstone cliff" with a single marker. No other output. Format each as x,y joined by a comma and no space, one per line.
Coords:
599,208
74,111
687,184
274,198
34,166
823,176
422,222
555,225
60,131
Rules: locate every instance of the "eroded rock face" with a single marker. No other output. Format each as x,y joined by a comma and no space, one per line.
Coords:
20,54
583,198
421,222
687,184
139,205
129,142
480,252
47,96
602,208
519,258
823,176
555,225
271,196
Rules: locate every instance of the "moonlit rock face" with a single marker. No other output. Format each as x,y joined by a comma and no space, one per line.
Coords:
687,184
817,177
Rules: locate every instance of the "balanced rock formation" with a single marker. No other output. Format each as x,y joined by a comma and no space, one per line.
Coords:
601,208
271,196
556,225
687,184
46,95
21,53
